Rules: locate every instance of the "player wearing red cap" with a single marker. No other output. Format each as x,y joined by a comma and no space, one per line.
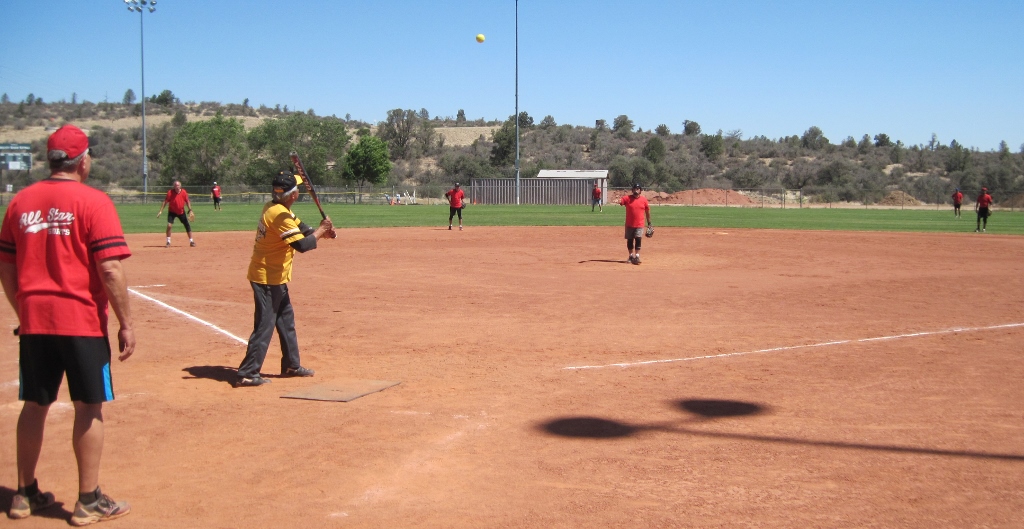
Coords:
982,207
61,247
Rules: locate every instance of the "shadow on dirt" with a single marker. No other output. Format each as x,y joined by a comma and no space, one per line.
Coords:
56,512
218,373
615,261
705,410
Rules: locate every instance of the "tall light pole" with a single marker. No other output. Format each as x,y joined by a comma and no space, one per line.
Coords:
517,102
140,6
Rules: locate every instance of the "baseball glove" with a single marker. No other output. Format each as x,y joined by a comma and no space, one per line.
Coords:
191,216
649,232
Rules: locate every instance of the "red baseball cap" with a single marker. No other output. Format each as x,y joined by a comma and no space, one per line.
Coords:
68,142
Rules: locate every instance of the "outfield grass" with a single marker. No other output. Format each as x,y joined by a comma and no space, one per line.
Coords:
243,217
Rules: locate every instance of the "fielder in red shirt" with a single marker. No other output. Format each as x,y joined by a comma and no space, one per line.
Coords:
61,247
982,207
596,197
637,209
455,203
215,192
958,199
176,200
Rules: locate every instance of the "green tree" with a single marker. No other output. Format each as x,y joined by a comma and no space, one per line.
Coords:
367,161
525,121
165,98
460,117
712,146
503,153
691,128
957,157
179,119
129,97
397,131
4,99
206,151
814,139
662,130
654,150
622,126
319,141
864,146
548,122
600,125
882,140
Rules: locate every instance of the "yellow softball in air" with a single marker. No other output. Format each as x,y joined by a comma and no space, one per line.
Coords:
480,37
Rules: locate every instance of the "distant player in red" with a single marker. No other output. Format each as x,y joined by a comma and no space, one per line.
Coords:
215,192
637,209
595,200
455,196
61,247
176,200
982,207
958,199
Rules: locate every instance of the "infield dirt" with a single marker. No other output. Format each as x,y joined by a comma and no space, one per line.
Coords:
489,429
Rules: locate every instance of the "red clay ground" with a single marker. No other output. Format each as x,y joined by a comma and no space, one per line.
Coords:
487,428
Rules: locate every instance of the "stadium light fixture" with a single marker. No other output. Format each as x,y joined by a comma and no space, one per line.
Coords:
140,6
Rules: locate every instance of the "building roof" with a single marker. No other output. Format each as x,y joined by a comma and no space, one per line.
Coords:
571,173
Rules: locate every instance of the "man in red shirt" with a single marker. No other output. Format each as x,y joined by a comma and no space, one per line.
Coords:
215,191
596,198
637,209
982,207
455,204
61,247
958,199
176,200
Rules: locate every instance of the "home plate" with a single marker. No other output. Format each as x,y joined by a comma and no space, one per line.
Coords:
341,390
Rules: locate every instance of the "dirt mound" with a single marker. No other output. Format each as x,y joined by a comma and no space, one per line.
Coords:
696,197
899,198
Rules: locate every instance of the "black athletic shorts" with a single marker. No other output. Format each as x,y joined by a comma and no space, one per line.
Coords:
46,358
983,213
183,218
216,200
454,211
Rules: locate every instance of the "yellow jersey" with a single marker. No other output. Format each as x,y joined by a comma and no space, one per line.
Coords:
271,262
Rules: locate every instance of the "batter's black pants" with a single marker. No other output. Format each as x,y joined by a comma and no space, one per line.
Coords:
273,310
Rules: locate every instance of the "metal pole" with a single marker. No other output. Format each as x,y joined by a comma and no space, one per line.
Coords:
145,165
517,102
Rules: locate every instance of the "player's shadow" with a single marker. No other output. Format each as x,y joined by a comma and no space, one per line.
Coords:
218,373
56,512
706,410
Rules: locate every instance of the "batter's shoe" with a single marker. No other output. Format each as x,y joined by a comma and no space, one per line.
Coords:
243,382
23,506
636,259
105,508
192,243
449,226
168,245
460,228
297,372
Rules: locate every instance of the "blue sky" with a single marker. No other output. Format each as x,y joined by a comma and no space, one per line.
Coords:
906,68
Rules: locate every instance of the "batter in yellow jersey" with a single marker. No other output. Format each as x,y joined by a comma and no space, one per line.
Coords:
278,236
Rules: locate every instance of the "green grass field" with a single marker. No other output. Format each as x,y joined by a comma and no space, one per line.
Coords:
137,218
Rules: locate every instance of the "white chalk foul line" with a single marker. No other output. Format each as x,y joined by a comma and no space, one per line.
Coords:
808,346
189,316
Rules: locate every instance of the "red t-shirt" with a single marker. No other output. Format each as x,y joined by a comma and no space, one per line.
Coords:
958,198
55,231
176,201
636,210
455,197
597,193
984,200
216,191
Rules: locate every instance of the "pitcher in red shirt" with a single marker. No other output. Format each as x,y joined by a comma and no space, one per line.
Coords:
637,208
176,200
958,199
455,198
596,198
982,207
61,247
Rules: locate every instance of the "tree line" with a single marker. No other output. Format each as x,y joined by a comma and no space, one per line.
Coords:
407,149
